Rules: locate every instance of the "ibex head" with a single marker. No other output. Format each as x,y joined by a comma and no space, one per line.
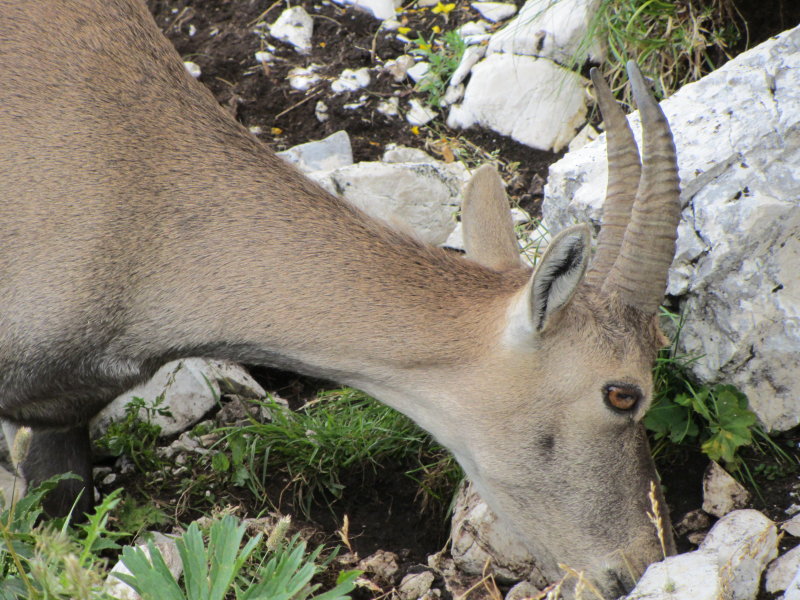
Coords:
568,464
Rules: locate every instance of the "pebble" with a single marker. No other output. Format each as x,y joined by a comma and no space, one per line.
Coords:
192,68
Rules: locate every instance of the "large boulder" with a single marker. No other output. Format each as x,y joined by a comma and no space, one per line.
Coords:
735,273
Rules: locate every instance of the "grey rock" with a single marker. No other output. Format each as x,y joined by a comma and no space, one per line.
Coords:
721,492
328,153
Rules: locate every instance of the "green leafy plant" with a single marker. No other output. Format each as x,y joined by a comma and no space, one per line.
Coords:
49,561
716,419
135,434
215,571
443,53
340,432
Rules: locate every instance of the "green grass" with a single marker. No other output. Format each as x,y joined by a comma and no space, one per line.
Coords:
674,43
443,53
340,434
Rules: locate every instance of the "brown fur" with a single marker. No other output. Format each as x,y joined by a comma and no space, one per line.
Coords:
140,223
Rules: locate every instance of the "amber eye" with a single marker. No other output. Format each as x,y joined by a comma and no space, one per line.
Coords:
621,397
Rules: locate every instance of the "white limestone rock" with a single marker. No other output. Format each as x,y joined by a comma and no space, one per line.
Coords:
534,101
737,133
326,154
190,386
418,71
303,78
415,585
419,113
728,564
792,526
399,67
390,107
782,571
495,11
793,591
554,30
721,492
418,198
192,68
472,54
478,536
295,27
380,9
351,80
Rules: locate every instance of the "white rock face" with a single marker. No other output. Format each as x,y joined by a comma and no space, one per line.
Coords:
737,133
326,154
728,564
415,197
783,570
534,101
721,492
472,54
478,536
190,386
296,27
548,29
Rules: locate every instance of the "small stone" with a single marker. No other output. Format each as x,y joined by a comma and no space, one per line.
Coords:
585,135
166,545
192,68
782,570
418,72
390,107
522,591
303,78
694,520
398,68
255,130
721,492
495,11
473,28
792,526
453,94
295,27
263,57
321,111
471,56
350,80
382,564
419,114
109,479
332,152
415,585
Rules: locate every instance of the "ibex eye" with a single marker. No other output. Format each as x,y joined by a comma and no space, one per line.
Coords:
621,397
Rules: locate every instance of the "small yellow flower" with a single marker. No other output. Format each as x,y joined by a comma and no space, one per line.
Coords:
403,30
276,131
444,9
415,130
322,44
424,46
436,29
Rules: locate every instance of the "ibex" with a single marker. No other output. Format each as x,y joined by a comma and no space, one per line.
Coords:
140,223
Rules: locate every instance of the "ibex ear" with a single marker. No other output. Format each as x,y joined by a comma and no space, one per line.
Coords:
489,237
558,274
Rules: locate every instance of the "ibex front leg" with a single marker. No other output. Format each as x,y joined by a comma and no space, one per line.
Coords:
49,452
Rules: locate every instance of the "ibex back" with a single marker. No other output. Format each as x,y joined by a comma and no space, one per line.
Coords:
140,223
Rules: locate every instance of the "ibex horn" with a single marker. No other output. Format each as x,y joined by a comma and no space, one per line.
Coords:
639,274
624,171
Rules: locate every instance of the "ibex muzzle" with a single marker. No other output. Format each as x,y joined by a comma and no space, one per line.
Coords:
140,223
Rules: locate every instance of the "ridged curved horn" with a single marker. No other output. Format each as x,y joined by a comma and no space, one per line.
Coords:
624,172
639,275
